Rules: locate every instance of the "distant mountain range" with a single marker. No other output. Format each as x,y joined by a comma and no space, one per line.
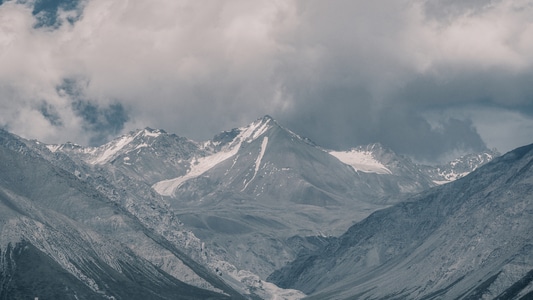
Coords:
161,215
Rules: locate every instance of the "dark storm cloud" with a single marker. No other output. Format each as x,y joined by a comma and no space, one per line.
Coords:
414,136
344,118
496,88
354,87
447,10
100,123
50,113
413,80
427,78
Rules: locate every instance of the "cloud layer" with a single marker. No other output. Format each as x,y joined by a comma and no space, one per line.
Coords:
427,78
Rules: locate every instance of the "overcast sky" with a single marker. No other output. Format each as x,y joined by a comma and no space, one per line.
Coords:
428,78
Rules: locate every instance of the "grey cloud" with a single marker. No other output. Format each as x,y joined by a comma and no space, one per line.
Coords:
411,74
354,87
493,87
50,113
447,10
100,123
342,120
414,136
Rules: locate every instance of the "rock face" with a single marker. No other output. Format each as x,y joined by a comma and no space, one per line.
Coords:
214,217
61,238
470,239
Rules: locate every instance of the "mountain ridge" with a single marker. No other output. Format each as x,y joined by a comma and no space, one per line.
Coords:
253,175
237,207
465,239
71,223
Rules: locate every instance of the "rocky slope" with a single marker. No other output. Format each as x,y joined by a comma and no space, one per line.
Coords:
62,238
470,239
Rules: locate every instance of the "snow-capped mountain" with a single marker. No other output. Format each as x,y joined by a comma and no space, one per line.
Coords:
148,155
470,239
263,185
409,177
177,250
223,147
63,238
220,215
249,191
375,158
459,167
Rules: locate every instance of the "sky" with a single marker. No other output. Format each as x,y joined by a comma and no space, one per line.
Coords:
430,79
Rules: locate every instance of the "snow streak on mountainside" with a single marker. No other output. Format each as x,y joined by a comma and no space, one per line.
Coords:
257,161
470,239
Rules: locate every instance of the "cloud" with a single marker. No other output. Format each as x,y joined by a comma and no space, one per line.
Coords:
101,123
343,73
362,74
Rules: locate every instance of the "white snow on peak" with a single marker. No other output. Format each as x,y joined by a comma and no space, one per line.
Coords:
258,160
262,129
154,133
53,148
203,164
143,145
254,130
111,149
107,152
362,161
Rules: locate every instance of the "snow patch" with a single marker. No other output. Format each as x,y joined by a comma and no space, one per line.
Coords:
112,150
154,134
198,167
258,160
452,176
53,148
143,145
253,131
362,161
441,182
262,129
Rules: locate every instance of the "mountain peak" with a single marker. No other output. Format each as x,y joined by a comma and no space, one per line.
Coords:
247,133
147,131
267,118
460,166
